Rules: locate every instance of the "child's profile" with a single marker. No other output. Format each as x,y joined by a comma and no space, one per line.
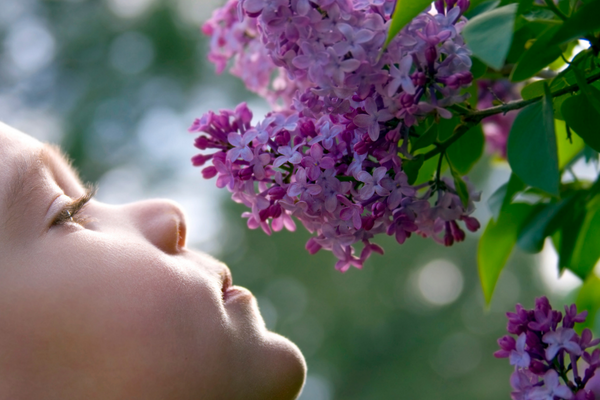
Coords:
106,302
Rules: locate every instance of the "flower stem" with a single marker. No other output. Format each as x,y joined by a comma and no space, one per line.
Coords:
473,118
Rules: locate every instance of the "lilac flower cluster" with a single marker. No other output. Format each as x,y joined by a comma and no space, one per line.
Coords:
332,153
545,353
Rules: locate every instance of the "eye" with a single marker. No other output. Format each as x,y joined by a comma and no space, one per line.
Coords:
70,212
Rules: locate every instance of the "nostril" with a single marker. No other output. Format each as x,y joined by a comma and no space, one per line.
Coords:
181,234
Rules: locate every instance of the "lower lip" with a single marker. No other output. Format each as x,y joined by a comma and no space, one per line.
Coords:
235,293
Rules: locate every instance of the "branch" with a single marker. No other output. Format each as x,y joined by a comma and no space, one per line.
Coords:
473,118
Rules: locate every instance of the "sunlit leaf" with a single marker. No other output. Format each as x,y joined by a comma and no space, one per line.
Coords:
567,149
588,299
497,243
587,247
405,11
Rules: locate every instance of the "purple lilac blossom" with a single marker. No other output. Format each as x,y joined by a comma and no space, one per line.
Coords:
330,152
549,358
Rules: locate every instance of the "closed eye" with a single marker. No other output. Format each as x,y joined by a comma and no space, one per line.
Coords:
71,212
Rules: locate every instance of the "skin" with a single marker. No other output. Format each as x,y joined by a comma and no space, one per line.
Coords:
117,307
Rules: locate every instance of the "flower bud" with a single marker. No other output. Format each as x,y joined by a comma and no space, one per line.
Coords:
245,174
457,233
463,5
201,159
209,172
283,138
407,100
368,222
276,193
431,56
275,210
471,223
312,246
448,238
439,6
201,142
378,209
419,78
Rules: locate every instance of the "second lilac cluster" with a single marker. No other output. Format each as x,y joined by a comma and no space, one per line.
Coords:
547,355
332,153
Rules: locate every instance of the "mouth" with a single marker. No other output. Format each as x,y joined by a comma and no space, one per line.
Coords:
230,292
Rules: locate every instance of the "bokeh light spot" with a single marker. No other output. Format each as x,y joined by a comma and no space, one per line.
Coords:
440,282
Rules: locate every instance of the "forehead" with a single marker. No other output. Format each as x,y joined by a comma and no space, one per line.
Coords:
15,148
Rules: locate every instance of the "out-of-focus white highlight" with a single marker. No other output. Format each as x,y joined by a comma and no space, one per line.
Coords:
30,45
130,8
197,12
548,269
440,282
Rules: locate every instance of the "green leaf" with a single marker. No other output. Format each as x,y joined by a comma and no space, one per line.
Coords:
426,138
459,184
496,244
405,11
497,199
467,150
478,69
591,93
539,55
446,128
479,7
532,149
543,223
588,299
584,21
489,35
504,195
523,37
582,117
524,6
587,247
567,150
412,168
428,169
569,231
533,90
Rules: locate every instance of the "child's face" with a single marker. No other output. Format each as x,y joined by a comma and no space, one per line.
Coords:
118,307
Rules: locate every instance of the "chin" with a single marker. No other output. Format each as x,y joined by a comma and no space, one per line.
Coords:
282,372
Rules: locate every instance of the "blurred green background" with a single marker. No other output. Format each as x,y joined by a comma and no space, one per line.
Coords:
117,83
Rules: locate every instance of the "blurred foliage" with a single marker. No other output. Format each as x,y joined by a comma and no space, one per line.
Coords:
367,334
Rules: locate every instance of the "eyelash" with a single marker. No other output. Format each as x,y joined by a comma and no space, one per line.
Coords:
70,213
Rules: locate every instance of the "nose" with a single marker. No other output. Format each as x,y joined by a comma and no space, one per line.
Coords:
162,223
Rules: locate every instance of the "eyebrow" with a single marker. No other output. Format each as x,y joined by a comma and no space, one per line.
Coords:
28,177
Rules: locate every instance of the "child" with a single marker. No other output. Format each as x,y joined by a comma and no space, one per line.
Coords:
106,302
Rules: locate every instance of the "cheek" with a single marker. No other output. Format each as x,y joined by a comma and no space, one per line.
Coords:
118,305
